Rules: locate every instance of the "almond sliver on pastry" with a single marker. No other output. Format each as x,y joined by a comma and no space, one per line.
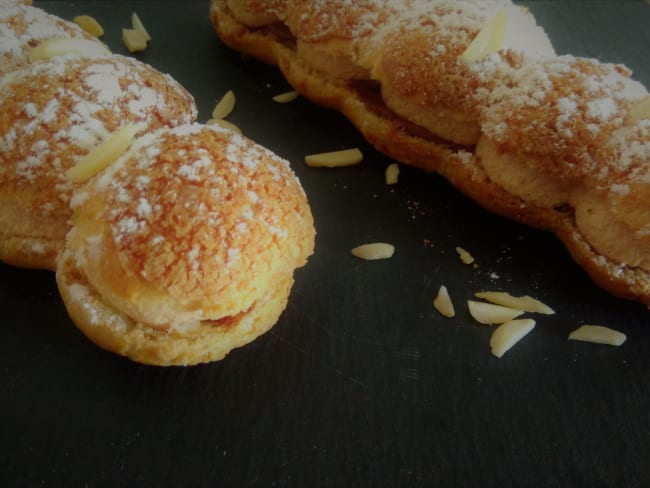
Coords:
104,154
62,46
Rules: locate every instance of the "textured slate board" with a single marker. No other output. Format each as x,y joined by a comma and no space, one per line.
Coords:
361,382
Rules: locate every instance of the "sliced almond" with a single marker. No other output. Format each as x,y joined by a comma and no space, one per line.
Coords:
286,97
61,46
225,106
639,112
525,303
489,313
137,24
134,40
465,256
374,251
89,24
335,159
508,334
443,304
103,154
598,334
490,38
225,124
392,174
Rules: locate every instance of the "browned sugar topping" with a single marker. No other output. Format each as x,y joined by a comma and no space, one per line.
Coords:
562,110
197,208
320,20
78,104
420,53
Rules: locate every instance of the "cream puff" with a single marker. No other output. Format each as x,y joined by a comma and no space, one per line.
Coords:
185,247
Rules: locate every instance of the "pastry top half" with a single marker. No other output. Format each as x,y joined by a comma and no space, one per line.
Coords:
194,232
43,133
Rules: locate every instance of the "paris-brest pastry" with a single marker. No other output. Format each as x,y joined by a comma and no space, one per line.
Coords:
474,90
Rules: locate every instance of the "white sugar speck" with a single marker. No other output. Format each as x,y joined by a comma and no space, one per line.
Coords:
144,208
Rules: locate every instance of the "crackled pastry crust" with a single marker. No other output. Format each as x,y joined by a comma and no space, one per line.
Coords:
421,76
44,132
183,249
23,27
534,138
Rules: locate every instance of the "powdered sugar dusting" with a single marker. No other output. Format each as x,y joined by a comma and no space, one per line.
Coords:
79,103
22,27
205,206
562,109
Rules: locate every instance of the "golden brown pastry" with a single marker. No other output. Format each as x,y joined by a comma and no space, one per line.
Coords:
530,135
258,13
23,27
423,77
338,39
552,127
612,211
44,132
185,248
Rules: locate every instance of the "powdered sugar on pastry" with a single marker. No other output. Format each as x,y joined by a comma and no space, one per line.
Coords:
45,132
23,27
561,113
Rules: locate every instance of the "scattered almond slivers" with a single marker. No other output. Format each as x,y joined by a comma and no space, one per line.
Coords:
525,303
134,40
89,24
286,97
374,251
225,106
489,40
443,304
598,334
225,124
335,159
490,314
392,174
103,154
508,334
61,46
639,112
137,25
465,256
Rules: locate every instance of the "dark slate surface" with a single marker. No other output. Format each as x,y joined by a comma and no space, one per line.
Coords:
361,383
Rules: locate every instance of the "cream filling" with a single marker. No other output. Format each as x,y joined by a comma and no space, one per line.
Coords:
516,177
611,227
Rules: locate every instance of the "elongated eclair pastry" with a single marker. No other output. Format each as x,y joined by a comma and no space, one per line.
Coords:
185,247
474,91
23,27
45,132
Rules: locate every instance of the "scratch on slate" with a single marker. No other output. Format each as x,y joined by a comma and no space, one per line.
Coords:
288,342
351,379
